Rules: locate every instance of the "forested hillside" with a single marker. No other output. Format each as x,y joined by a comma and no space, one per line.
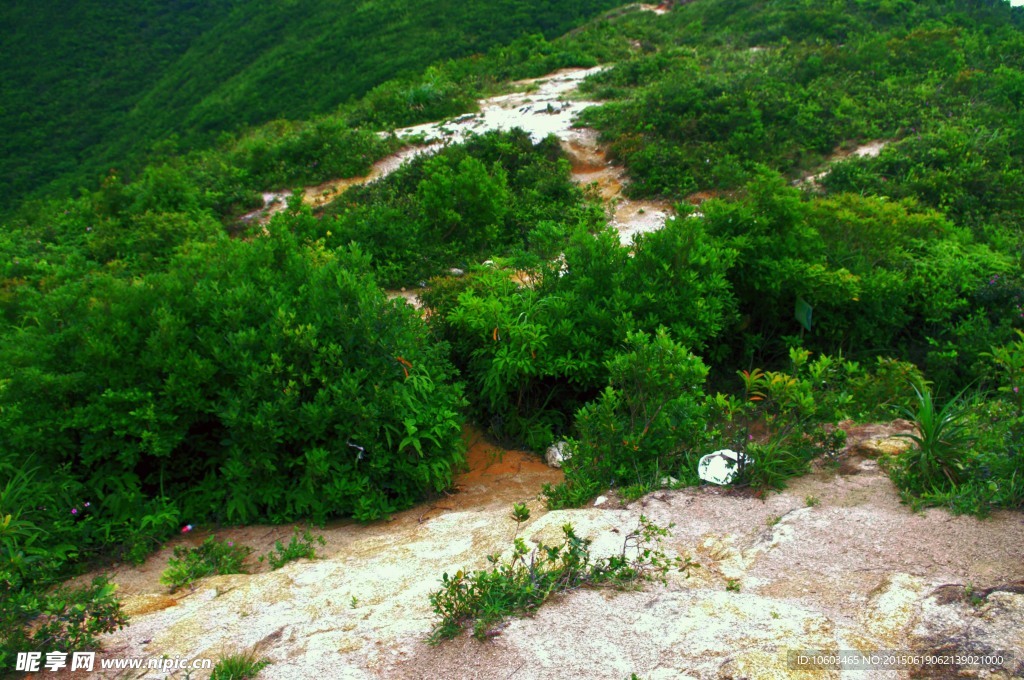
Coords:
87,86
848,187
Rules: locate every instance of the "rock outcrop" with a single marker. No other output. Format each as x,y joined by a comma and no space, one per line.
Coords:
833,563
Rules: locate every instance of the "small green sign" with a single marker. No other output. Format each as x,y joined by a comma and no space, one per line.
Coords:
803,313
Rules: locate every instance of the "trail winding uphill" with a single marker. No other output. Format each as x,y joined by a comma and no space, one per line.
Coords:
540,106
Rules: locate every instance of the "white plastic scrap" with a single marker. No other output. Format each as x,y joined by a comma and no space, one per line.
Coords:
721,467
557,453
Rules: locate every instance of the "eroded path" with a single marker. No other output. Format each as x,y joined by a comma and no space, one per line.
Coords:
540,106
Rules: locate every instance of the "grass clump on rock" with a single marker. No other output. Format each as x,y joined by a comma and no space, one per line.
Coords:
212,557
529,578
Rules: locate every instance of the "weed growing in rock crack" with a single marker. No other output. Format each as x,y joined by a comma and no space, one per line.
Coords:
238,666
973,597
527,580
812,501
212,557
732,585
296,549
773,520
354,602
520,513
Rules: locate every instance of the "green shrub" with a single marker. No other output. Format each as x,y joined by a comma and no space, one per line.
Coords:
45,528
397,103
66,619
969,455
648,423
1008,362
281,155
261,379
497,195
211,558
50,522
935,462
529,578
534,355
774,462
988,463
874,394
794,413
296,549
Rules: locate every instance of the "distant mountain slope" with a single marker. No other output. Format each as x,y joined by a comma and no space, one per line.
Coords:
86,85
69,72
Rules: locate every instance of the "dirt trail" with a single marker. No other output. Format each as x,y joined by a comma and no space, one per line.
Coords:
540,106
866,150
494,476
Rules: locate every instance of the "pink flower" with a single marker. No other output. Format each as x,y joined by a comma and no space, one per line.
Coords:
187,528
87,504
74,511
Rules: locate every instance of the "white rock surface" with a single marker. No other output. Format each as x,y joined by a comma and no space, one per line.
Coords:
557,454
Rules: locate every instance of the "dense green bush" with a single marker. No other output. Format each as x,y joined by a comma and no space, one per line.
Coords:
283,154
397,103
721,86
497,195
45,527
65,619
532,355
250,380
653,422
648,424
881,277
969,173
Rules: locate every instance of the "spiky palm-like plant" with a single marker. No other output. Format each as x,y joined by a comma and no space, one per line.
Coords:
941,441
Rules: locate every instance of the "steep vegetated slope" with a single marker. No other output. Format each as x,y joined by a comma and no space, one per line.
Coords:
88,87
164,372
